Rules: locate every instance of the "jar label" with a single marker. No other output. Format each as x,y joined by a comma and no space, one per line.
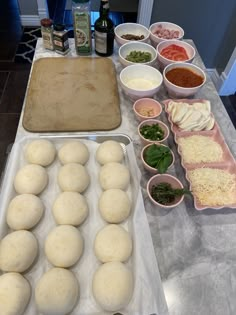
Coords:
47,39
101,42
82,32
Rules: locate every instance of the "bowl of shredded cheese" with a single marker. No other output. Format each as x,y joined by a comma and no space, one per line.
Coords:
147,108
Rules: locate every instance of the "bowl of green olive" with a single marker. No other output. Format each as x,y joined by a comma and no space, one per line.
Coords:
153,131
137,53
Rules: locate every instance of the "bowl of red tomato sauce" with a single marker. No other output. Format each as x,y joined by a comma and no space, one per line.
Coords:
183,79
173,51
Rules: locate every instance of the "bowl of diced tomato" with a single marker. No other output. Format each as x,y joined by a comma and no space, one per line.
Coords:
172,51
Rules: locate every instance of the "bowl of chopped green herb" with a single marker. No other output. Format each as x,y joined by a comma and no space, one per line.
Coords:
157,158
153,131
137,52
166,191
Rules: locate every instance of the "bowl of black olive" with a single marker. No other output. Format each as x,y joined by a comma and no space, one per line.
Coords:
127,32
166,191
137,52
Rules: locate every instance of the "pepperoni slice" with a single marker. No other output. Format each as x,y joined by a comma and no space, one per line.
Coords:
175,53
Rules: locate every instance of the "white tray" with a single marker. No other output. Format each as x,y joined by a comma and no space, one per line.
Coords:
148,297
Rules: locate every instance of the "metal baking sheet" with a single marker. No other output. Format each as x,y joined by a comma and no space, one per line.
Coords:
148,297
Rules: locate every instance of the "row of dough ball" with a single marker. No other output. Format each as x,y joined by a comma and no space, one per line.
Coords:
18,250
56,293
25,211
73,176
113,281
33,179
43,152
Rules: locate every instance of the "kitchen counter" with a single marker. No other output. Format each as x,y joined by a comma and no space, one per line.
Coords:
195,250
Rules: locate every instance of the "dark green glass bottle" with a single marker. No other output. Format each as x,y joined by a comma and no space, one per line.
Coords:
104,31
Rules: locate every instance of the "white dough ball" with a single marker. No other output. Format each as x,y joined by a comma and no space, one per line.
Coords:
40,152
113,286
114,175
114,205
73,152
18,251
15,293
24,212
113,243
31,179
64,246
73,177
70,208
109,151
57,292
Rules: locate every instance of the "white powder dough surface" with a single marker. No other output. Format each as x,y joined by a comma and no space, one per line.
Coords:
31,179
113,243
113,286
114,205
18,251
15,293
73,152
109,151
40,152
70,208
64,246
57,292
73,177
24,212
114,175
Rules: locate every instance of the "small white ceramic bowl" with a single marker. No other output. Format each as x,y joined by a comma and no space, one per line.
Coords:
164,61
130,28
149,168
155,39
150,122
165,178
147,108
140,81
127,48
176,91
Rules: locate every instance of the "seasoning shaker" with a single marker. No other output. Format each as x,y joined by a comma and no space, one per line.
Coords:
47,33
60,39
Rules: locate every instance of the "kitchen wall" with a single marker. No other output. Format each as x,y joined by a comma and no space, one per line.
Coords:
28,7
211,24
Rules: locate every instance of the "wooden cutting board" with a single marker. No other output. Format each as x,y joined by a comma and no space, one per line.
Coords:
72,94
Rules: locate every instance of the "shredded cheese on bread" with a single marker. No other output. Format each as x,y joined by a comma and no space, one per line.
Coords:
213,187
198,149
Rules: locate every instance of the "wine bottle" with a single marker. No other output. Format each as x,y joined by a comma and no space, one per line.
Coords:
104,31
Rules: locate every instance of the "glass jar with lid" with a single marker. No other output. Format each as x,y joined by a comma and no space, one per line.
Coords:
47,33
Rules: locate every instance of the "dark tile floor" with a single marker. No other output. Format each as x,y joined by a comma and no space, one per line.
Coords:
13,77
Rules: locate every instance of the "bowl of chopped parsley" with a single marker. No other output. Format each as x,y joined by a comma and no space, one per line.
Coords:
153,131
166,191
157,158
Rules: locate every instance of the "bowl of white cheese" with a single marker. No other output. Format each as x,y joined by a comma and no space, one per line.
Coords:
140,81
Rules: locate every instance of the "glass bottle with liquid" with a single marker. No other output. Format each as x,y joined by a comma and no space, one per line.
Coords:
82,26
104,31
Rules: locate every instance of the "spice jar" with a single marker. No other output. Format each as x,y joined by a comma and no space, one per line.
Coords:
47,33
60,39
